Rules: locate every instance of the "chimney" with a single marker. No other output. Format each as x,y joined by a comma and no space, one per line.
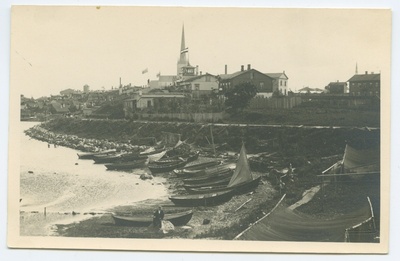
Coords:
201,73
120,82
226,69
197,70
366,72
248,66
242,68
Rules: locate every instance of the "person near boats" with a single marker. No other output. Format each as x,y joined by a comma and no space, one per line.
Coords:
158,216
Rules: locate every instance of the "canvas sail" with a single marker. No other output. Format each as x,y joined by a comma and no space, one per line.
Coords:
157,156
242,172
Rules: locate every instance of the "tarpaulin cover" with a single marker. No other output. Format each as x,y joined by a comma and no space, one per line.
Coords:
290,225
360,161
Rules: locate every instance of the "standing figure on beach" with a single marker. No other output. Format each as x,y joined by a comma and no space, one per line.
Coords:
158,216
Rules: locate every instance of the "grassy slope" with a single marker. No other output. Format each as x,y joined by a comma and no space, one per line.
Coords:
310,116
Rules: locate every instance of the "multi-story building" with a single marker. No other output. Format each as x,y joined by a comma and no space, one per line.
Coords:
280,83
365,84
261,81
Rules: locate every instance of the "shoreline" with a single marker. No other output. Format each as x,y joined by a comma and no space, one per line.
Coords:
225,222
221,217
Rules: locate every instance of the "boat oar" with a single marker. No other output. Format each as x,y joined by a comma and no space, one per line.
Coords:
243,204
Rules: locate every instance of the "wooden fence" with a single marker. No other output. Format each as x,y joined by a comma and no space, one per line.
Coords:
194,117
275,102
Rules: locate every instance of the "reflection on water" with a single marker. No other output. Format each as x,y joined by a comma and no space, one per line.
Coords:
55,182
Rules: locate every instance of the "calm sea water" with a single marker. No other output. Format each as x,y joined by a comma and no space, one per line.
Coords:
56,180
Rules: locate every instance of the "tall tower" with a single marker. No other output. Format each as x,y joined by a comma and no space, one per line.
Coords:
356,68
183,60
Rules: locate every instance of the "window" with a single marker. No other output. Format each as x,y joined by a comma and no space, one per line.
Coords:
261,85
208,78
280,83
251,75
149,103
197,86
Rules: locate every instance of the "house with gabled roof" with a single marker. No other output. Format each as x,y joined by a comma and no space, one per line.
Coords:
336,87
261,81
199,85
280,83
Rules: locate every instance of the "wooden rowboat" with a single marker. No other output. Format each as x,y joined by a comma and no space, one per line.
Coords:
160,168
90,155
126,165
209,178
237,189
177,219
218,182
210,199
196,167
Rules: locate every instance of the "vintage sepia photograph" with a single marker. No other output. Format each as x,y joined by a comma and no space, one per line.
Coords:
205,129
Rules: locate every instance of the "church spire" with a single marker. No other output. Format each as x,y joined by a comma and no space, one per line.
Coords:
184,49
183,38
183,57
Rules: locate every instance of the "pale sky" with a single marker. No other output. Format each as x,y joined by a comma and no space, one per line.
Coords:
55,48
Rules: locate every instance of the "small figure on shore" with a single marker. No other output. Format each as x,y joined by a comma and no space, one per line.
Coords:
48,145
158,216
55,146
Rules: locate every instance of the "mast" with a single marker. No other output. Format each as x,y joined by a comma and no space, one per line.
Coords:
212,141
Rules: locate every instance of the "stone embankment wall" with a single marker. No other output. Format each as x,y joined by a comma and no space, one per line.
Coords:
286,141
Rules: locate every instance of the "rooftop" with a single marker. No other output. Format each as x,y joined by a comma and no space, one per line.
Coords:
365,77
276,75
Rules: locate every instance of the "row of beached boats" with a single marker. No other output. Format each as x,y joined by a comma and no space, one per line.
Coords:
156,159
207,183
216,184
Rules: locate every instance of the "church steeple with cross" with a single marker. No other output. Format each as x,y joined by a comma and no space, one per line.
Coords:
183,67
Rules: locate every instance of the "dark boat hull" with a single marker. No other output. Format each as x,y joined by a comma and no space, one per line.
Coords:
160,168
126,158
219,182
91,155
177,219
211,199
237,189
209,178
215,170
126,165
107,159
189,170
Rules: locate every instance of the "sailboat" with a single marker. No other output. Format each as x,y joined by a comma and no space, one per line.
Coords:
242,179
